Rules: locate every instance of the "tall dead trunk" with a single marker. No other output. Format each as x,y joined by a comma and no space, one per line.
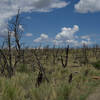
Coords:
65,63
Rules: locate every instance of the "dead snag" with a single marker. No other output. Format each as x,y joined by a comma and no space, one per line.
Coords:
55,54
84,55
41,70
64,64
70,78
17,32
4,62
6,59
9,61
39,79
10,54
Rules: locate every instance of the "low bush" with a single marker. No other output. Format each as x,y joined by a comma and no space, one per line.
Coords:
96,65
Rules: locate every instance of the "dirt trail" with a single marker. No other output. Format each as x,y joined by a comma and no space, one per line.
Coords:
95,95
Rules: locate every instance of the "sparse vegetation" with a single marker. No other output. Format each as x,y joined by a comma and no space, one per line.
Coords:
47,73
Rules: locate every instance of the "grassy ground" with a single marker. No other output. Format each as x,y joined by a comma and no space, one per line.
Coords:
22,85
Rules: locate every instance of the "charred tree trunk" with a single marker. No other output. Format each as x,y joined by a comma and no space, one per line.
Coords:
41,70
64,64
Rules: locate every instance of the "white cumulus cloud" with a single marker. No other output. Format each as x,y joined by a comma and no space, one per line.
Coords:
86,42
42,38
29,34
66,36
85,6
67,33
85,37
9,8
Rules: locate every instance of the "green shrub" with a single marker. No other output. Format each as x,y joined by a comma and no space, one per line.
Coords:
96,65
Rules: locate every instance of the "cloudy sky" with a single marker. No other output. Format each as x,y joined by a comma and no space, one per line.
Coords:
52,22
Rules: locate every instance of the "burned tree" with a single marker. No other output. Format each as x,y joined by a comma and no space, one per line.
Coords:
64,63
10,55
70,78
42,73
84,59
39,79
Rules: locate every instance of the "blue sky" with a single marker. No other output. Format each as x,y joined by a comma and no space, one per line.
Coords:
66,24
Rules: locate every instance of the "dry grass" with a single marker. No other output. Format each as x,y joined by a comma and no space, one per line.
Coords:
22,85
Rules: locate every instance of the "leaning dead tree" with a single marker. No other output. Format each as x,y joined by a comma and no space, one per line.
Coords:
10,56
65,61
41,74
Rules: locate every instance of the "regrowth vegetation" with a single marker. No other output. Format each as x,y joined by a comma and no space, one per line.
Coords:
47,73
